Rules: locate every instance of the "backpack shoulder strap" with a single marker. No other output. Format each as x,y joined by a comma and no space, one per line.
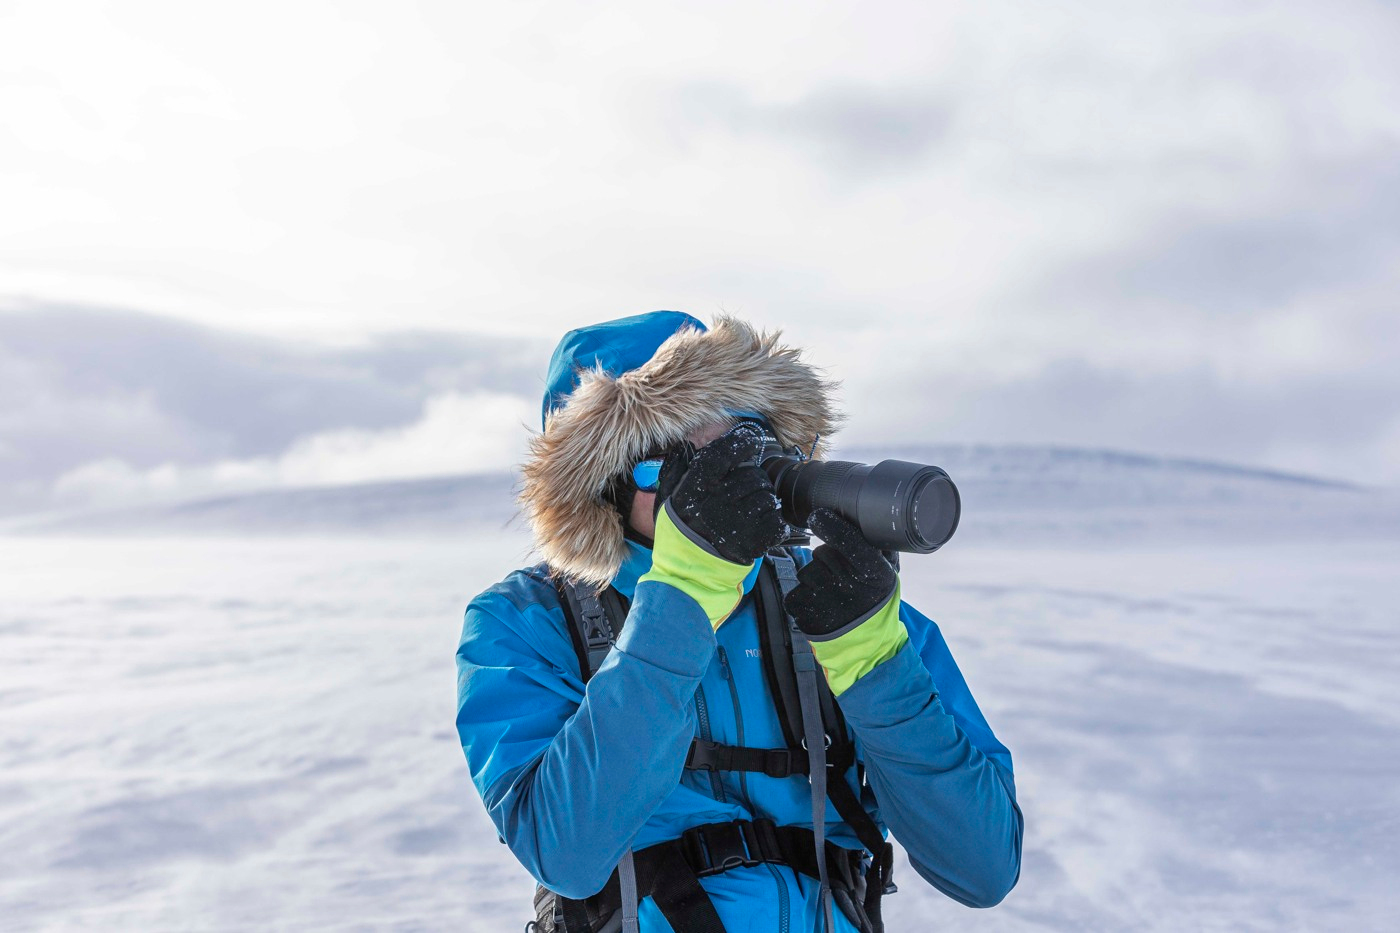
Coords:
776,641
775,647
594,621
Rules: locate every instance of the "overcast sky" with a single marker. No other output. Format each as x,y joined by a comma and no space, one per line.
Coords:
273,243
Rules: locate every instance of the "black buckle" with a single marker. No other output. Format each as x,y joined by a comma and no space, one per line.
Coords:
719,847
597,632
725,849
705,756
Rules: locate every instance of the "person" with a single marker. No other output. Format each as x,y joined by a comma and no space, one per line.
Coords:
644,484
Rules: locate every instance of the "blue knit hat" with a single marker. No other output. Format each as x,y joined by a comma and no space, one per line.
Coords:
617,346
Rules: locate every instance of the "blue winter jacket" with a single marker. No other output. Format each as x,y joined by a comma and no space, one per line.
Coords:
573,778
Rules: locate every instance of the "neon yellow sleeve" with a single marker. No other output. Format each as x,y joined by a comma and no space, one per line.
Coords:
849,657
681,559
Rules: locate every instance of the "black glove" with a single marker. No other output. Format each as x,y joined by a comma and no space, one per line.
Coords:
847,579
722,496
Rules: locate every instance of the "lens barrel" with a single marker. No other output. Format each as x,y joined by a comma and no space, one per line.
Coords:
897,505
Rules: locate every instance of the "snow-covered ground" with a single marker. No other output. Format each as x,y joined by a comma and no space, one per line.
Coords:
232,733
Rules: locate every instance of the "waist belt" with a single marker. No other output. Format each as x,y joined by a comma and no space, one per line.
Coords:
670,874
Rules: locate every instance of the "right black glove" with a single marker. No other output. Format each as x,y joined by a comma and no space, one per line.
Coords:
846,580
722,497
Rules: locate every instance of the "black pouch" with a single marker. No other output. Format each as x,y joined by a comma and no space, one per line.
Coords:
554,914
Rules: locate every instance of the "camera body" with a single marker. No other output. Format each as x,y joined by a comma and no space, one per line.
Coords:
897,505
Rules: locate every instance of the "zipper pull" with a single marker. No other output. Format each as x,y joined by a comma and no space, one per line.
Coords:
723,663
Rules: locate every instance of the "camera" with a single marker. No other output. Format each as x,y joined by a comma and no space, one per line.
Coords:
897,505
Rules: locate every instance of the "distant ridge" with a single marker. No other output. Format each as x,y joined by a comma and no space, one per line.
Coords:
434,505
1022,457
1010,493
1026,454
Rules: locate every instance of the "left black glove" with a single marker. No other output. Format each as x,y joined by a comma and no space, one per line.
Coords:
722,496
846,581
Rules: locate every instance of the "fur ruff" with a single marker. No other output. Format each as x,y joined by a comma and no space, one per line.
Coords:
609,423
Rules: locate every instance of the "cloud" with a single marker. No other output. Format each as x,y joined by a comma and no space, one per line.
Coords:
850,128
1188,207
1259,328
83,387
455,434
1265,335
1335,225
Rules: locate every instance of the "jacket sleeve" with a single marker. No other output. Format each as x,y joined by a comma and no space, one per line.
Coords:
943,781
569,776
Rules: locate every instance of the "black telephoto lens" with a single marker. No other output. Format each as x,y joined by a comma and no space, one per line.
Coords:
897,505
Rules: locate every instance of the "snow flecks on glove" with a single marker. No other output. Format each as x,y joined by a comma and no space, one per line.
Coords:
723,496
847,579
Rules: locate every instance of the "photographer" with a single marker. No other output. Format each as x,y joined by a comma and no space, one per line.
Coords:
678,724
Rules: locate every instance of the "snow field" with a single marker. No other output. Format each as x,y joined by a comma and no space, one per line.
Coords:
231,734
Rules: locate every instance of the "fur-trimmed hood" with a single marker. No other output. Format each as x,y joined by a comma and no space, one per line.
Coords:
610,421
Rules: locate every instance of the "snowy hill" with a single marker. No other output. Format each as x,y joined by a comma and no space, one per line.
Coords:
1010,494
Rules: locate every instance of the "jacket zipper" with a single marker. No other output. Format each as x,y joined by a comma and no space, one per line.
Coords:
738,720
783,908
702,711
